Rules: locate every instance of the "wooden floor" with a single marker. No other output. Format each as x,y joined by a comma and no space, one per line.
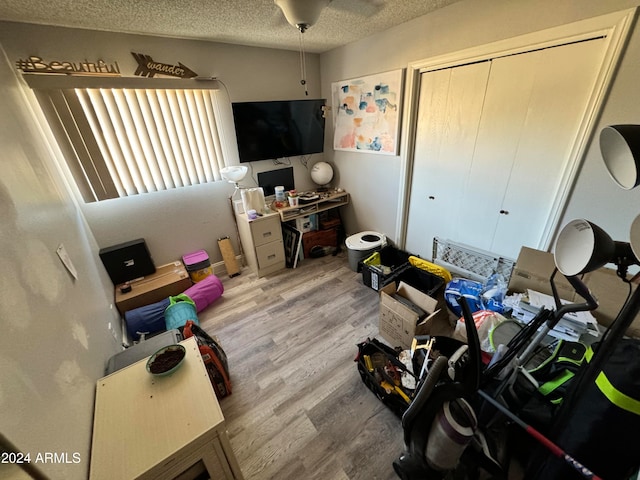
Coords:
298,408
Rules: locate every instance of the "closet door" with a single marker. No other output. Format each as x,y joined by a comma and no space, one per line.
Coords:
498,165
450,104
500,131
559,102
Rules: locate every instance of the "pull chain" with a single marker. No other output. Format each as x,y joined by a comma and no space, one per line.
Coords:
303,66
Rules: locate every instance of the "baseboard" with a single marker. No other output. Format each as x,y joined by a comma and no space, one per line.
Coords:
219,268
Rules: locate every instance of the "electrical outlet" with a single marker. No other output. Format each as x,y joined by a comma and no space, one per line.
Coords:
113,331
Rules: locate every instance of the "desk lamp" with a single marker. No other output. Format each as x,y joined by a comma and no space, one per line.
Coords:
582,246
234,174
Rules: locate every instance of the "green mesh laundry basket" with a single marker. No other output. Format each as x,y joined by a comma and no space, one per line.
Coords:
181,308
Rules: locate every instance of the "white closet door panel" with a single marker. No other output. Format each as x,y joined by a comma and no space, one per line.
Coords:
503,120
450,104
558,103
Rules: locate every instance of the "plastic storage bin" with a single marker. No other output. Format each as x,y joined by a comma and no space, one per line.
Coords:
380,267
426,282
198,265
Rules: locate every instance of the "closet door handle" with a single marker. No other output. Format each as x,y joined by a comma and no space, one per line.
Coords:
504,212
431,197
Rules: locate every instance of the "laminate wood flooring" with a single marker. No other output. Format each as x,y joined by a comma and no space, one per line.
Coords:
299,408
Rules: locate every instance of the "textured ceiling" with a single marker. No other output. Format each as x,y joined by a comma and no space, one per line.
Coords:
245,22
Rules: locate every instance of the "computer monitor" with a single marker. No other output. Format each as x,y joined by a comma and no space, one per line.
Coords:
273,178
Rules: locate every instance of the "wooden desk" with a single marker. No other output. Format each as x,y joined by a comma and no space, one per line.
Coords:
327,201
148,427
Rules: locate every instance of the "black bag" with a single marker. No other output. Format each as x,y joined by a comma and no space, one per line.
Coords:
380,369
539,406
214,357
600,421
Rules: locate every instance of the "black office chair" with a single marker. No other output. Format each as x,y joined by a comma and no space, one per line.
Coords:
438,388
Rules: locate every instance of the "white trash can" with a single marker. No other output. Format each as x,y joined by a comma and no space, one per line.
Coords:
363,244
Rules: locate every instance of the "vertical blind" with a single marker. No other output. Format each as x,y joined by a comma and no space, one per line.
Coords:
125,141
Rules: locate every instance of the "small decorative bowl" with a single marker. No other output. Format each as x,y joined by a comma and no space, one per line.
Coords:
166,360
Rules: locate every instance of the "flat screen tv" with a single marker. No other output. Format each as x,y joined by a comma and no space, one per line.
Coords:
277,129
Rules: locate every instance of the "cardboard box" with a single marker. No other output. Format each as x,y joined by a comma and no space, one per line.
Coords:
308,223
415,313
168,280
533,270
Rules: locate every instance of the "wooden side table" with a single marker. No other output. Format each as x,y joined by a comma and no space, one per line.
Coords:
148,427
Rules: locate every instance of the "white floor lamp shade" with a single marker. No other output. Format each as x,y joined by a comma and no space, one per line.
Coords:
234,173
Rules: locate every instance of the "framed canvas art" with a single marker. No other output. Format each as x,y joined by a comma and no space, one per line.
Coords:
367,113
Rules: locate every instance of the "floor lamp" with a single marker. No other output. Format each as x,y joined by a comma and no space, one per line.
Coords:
235,174
582,247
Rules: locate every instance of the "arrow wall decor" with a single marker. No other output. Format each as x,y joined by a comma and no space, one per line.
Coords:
148,68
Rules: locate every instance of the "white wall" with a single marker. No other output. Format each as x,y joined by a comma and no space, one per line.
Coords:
54,341
456,27
180,221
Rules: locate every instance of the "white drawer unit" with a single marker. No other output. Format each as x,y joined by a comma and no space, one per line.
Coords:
270,254
262,243
265,230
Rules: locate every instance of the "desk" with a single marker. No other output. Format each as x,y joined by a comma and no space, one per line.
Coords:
148,427
261,238
327,201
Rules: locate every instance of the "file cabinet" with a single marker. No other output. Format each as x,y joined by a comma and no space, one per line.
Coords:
262,243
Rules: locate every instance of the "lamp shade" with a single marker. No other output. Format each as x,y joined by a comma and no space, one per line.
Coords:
620,148
582,247
634,237
234,174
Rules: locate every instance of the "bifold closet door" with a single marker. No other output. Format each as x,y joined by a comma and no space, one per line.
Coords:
560,100
493,140
450,104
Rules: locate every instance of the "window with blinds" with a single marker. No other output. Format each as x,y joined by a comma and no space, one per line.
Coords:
124,140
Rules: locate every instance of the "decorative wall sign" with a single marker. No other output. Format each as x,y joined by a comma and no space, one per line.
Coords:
148,68
367,113
35,64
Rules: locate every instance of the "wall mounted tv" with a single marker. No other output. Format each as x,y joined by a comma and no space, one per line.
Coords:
277,129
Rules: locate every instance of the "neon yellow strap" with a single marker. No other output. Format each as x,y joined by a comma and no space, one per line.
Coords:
548,387
616,397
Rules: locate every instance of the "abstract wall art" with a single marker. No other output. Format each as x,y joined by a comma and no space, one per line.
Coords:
367,113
